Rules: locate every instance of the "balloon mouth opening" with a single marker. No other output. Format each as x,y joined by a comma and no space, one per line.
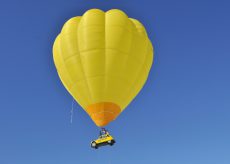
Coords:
103,113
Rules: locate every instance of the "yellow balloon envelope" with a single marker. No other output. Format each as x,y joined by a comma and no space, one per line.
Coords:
103,59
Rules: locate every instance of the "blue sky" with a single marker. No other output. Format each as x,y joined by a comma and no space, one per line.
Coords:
182,115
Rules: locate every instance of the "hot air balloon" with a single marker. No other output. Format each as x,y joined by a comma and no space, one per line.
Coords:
103,59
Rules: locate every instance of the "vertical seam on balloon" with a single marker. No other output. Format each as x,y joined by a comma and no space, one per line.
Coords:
87,85
129,52
143,68
64,64
105,53
138,74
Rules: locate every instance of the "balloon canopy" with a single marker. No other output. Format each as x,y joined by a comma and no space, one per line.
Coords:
103,59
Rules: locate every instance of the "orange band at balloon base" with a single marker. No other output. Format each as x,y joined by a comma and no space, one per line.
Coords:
103,113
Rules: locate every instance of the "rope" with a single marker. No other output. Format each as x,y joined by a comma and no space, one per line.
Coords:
71,112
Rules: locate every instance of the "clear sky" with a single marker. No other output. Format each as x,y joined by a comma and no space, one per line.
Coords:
182,115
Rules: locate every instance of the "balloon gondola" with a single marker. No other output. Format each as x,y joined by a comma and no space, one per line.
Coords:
104,139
